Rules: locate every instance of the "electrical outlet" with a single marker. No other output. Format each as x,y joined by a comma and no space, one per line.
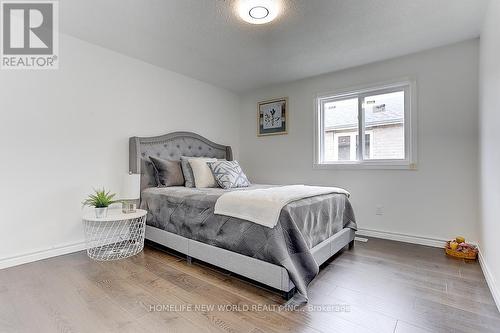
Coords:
379,210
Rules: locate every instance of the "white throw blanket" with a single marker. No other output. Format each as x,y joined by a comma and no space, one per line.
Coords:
263,206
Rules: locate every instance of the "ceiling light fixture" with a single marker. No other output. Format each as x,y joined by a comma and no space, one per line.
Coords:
258,11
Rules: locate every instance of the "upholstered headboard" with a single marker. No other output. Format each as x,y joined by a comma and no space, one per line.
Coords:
171,147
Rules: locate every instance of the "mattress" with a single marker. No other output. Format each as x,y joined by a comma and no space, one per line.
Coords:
189,212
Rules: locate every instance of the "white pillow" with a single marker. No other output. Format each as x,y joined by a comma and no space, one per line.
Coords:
203,176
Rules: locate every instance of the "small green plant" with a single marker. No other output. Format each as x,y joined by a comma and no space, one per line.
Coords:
100,199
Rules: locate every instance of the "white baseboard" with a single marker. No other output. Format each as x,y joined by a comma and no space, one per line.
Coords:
495,291
434,242
41,254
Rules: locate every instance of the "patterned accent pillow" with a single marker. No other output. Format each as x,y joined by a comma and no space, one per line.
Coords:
229,174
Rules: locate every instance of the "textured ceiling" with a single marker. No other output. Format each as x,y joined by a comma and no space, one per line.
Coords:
205,39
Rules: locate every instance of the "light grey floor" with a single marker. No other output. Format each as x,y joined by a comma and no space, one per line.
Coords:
381,286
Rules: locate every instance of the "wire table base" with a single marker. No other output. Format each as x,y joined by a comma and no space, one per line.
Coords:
113,239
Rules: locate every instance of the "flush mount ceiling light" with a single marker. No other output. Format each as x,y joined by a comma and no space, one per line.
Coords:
258,11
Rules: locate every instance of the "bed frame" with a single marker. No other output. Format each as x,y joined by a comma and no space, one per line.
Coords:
177,144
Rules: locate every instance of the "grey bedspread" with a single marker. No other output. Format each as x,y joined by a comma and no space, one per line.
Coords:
189,212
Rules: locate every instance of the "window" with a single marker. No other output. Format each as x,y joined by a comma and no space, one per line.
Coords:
381,116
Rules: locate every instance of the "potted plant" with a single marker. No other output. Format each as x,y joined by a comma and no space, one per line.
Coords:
100,200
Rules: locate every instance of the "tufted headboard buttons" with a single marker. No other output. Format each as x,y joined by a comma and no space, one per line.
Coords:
171,147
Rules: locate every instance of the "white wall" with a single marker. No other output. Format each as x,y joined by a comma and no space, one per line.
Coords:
440,199
64,131
490,151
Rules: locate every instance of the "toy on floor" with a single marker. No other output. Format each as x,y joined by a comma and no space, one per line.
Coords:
458,248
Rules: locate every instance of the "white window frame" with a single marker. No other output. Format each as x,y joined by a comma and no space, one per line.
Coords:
410,127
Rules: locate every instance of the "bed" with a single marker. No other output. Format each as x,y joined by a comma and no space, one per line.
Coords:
286,257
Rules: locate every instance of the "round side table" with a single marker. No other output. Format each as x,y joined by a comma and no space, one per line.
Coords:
116,236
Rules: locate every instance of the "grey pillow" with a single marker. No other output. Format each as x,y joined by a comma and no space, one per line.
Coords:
187,171
229,174
168,173
148,177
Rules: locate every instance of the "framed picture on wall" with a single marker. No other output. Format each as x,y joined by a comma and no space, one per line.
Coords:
272,117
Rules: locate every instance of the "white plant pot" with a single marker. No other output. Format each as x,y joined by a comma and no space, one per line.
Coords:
101,212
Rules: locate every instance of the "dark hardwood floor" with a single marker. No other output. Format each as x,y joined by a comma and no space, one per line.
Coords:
379,286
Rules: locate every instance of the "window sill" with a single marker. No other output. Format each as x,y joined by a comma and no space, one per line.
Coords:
386,165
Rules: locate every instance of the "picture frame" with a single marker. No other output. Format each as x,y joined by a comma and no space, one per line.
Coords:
272,117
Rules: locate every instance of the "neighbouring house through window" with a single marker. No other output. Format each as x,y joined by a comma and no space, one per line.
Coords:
380,116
